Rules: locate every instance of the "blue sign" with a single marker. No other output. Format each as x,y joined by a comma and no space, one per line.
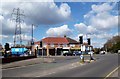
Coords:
18,50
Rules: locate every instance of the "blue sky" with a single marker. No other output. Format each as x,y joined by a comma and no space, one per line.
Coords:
97,20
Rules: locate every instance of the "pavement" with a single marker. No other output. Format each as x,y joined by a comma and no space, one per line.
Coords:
27,62
38,60
115,73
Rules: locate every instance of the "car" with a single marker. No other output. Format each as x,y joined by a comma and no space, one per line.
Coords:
102,52
75,53
118,51
67,53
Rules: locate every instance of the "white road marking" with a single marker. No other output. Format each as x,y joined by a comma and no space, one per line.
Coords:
112,72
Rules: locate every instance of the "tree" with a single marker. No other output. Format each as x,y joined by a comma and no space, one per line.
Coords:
113,44
96,50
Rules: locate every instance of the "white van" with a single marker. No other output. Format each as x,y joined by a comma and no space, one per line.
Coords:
118,51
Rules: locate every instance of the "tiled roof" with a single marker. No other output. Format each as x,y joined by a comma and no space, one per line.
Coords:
72,41
38,42
55,40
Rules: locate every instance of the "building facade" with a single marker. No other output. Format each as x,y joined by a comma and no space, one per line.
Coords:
56,45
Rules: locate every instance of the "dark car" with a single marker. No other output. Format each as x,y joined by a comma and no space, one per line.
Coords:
67,53
75,53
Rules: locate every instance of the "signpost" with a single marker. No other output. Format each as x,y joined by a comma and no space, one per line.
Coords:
82,55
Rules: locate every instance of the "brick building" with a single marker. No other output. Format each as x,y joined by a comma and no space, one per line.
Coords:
56,45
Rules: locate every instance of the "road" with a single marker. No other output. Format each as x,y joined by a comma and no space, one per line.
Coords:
100,68
38,69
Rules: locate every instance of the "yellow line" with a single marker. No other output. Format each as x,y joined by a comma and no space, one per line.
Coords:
111,72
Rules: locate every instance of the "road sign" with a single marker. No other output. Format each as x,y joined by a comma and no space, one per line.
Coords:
82,47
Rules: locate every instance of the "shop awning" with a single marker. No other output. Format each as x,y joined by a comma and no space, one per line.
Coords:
75,48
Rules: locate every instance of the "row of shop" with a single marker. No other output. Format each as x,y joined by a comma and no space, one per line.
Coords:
57,45
55,51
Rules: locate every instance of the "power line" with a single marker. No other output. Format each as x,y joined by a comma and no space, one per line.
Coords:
17,13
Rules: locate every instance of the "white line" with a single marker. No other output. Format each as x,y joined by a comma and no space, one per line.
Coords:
111,72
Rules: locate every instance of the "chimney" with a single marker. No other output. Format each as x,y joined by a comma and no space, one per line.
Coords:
64,36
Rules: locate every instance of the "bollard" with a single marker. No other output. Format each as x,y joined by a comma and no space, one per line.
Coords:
82,59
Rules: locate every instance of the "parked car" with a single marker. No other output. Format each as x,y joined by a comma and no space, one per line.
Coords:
102,52
75,53
118,51
67,53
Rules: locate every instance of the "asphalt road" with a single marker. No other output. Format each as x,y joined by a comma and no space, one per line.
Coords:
38,69
100,68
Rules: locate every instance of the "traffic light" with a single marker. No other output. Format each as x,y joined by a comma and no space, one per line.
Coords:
40,43
81,39
32,43
7,47
88,40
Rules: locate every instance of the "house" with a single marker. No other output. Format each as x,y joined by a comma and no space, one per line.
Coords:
56,45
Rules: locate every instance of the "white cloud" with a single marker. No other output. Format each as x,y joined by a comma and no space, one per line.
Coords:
91,30
24,37
97,44
65,10
100,17
101,8
46,12
8,27
104,21
27,0
84,29
97,40
81,27
98,23
59,31
3,36
102,36
39,12
35,13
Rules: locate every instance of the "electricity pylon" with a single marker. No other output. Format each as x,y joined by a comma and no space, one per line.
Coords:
17,13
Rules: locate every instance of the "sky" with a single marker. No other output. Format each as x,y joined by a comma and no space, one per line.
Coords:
95,20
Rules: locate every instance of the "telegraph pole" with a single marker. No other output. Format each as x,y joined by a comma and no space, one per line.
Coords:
32,42
17,13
